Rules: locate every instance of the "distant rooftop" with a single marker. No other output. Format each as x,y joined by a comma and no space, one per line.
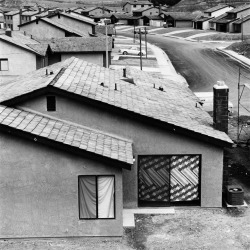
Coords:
216,8
240,8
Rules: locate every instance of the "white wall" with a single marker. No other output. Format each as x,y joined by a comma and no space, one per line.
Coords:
20,61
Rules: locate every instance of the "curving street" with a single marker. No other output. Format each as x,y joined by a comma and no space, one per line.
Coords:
202,65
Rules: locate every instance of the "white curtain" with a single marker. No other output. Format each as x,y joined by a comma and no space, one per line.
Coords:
106,197
87,197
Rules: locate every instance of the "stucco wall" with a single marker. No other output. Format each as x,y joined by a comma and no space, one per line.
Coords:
243,13
147,139
246,27
96,58
151,12
20,61
39,191
43,30
81,26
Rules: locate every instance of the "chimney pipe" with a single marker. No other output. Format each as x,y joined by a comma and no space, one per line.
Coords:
220,109
124,72
8,32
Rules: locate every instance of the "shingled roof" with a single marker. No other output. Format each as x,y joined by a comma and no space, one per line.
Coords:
242,20
240,8
175,108
70,134
216,8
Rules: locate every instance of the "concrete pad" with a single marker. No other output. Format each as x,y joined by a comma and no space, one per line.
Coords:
129,214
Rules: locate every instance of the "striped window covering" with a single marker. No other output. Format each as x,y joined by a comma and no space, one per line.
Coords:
96,197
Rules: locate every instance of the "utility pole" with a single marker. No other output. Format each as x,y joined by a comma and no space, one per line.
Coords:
140,49
134,30
238,127
242,35
146,47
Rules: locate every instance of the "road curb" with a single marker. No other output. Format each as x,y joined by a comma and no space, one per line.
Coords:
234,57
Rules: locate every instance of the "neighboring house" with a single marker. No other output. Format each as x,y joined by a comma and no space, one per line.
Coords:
217,10
156,21
242,25
12,19
202,23
16,57
92,49
84,25
29,16
95,11
78,130
126,19
46,28
225,22
2,22
130,7
101,18
146,11
178,19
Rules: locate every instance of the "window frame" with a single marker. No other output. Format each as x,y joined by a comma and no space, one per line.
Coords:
4,59
96,184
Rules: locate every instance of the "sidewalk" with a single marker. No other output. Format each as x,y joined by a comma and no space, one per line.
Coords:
165,68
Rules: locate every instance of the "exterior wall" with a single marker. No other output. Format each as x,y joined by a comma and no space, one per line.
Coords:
16,22
123,21
205,25
43,30
243,13
39,192
83,27
139,6
183,24
246,27
96,58
151,12
127,8
147,140
20,61
230,28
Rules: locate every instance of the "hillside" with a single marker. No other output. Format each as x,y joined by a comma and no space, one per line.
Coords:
193,5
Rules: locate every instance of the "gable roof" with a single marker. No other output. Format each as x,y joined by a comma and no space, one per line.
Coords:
56,24
63,132
186,16
144,8
240,8
153,17
17,42
215,19
30,13
12,13
74,17
76,44
216,8
242,20
175,109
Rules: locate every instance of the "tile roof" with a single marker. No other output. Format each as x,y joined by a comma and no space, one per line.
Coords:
78,18
58,25
101,29
30,13
154,17
39,48
12,13
240,8
18,43
74,135
242,20
216,8
77,44
176,107
143,9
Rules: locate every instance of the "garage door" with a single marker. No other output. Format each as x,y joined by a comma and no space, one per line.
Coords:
168,179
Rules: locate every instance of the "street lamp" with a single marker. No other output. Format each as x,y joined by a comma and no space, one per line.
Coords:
107,21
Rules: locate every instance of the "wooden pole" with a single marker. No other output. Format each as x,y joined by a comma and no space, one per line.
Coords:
140,49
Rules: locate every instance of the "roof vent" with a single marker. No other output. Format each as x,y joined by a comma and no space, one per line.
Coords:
161,88
8,32
115,86
51,72
102,84
124,72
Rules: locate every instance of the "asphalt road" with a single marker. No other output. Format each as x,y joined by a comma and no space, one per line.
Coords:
202,66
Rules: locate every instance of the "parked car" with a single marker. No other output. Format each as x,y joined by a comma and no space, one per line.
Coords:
133,51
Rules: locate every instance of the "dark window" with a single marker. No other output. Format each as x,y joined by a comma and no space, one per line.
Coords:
96,195
134,6
142,5
4,64
51,103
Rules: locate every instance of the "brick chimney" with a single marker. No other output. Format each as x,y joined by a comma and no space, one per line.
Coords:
220,110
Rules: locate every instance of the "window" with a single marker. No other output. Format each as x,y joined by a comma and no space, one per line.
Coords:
4,65
96,196
51,103
134,6
142,5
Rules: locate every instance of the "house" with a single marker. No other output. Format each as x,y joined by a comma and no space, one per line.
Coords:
217,10
95,11
156,21
92,49
242,25
100,18
76,122
45,28
224,23
202,23
84,25
12,19
146,11
130,7
29,16
16,57
126,19
178,19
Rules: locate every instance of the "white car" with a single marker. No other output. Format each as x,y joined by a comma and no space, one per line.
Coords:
133,51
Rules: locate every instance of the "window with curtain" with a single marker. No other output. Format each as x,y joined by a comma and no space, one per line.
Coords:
96,197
